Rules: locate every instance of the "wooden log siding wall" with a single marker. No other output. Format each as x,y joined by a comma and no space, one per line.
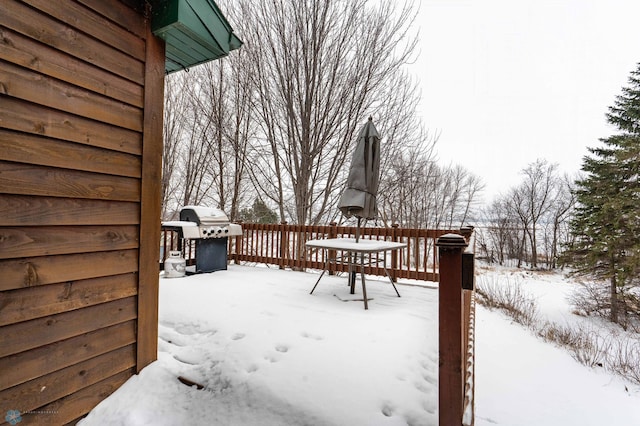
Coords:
81,93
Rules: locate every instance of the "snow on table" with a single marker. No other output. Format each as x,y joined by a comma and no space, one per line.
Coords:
350,244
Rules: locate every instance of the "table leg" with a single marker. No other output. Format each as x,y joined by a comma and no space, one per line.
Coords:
391,279
326,267
364,287
353,258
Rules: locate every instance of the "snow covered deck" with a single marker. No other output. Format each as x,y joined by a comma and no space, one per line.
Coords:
269,353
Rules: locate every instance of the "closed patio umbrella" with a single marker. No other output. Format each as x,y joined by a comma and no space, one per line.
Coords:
359,197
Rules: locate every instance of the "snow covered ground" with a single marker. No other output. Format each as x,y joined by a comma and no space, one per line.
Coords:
522,381
269,353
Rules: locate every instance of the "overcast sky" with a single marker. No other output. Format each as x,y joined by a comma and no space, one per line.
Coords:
508,81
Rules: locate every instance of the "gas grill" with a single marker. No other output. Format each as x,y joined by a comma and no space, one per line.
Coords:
211,222
210,229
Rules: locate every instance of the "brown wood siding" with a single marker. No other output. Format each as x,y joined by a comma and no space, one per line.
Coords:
43,270
43,390
29,149
73,407
37,25
81,95
151,204
38,362
36,119
67,211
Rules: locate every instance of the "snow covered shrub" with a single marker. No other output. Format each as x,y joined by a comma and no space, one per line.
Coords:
585,345
592,349
593,298
631,309
624,359
509,297
562,335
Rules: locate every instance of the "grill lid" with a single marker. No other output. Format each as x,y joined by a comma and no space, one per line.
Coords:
203,215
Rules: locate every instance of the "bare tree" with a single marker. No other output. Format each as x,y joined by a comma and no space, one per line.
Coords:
419,193
501,230
241,130
533,216
174,114
208,129
517,203
561,208
196,150
318,68
403,197
459,195
540,181
223,96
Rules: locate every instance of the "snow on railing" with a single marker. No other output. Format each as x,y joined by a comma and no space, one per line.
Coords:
468,412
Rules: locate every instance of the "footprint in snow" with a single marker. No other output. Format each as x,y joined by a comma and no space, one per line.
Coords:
421,387
172,337
187,329
429,378
387,410
271,358
311,336
190,356
282,348
238,336
183,360
425,365
429,405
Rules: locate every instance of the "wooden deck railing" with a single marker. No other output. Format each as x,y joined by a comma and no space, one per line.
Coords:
284,245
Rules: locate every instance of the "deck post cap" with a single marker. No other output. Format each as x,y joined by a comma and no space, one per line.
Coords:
451,241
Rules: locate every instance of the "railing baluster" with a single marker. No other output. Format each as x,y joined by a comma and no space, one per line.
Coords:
283,245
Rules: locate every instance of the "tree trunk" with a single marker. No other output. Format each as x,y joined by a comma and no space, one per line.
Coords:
613,288
534,246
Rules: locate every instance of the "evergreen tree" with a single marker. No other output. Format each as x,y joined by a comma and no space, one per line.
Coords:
258,213
606,225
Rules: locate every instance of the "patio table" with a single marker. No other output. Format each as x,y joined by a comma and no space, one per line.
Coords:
351,247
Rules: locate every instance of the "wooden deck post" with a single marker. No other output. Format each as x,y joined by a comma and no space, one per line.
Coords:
450,337
237,246
150,203
284,244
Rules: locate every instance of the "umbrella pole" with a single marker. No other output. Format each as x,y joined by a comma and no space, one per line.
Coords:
353,261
